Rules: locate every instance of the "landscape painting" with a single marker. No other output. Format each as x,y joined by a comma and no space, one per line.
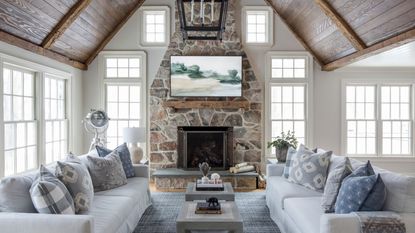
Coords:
206,76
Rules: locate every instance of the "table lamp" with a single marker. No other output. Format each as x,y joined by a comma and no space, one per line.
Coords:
132,136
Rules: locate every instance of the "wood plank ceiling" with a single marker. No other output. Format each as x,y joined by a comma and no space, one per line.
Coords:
335,32
339,32
70,31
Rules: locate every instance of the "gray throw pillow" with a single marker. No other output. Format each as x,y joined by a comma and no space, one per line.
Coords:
333,183
49,194
106,172
15,195
310,169
77,180
125,157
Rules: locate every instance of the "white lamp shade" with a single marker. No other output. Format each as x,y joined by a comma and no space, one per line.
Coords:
134,135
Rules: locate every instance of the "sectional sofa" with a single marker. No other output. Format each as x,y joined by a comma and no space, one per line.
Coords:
113,211
296,209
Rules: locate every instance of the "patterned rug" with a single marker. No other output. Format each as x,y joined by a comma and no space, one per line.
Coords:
161,216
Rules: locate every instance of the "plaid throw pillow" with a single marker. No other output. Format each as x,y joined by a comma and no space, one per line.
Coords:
125,157
49,194
290,153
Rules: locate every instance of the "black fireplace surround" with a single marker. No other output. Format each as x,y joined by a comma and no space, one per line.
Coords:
211,144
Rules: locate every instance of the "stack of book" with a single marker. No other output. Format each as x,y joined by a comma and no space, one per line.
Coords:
204,208
209,187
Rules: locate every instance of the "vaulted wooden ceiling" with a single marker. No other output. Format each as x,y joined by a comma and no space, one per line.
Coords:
335,32
70,31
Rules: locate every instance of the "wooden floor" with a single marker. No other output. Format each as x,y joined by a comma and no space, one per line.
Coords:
153,188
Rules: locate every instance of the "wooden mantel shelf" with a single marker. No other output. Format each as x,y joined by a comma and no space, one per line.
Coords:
206,104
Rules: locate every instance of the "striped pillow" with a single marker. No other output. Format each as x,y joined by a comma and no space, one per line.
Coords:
49,195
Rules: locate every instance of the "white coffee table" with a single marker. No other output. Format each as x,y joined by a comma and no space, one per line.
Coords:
230,219
226,195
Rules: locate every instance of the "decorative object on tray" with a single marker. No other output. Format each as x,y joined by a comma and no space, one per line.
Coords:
215,177
211,206
282,143
204,168
242,167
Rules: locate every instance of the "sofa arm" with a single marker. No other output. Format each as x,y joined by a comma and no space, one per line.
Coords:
141,170
275,169
41,223
339,223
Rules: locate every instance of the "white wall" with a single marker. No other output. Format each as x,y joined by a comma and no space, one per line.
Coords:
327,85
75,95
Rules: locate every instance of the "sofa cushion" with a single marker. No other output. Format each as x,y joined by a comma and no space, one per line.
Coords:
333,183
110,212
129,190
125,157
282,189
400,192
106,173
15,195
77,180
49,194
310,169
305,212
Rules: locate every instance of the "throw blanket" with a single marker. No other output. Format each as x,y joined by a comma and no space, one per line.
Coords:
380,221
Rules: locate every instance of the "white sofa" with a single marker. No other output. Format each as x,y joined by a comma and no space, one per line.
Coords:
296,209
113,211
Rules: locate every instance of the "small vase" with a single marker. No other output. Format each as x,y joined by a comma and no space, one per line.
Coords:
281,154
205,180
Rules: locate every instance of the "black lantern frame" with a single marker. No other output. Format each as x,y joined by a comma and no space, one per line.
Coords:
219,29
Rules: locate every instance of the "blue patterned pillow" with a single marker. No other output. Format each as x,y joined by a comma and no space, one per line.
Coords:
353,192
377,196
125,157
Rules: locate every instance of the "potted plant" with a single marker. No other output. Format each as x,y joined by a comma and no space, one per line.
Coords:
282,143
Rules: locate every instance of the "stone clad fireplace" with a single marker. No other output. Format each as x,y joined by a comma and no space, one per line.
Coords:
242,114
198,144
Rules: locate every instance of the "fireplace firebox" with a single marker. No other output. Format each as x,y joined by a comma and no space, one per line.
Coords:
211,144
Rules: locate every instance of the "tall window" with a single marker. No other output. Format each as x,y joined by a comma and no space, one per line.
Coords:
34,122
396,120
288,76
56,123
20,128
387,132
257,25
124,79
155,25
360,116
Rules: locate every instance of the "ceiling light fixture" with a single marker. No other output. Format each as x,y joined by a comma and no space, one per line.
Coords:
199,19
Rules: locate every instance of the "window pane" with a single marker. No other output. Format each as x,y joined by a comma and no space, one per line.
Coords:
256,26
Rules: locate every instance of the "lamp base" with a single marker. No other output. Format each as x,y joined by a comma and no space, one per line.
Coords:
136,153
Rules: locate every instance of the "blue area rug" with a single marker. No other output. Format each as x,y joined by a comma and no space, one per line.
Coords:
161,216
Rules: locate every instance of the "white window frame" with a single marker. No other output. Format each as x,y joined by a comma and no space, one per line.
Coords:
142,26
378,83
307,82
40,71
142,81
269,33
